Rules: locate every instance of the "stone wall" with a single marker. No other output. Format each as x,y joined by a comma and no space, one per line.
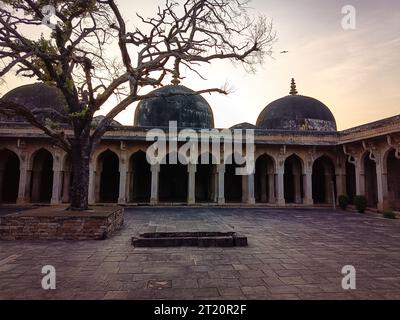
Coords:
58,224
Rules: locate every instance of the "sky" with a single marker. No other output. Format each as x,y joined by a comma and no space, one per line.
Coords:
356,73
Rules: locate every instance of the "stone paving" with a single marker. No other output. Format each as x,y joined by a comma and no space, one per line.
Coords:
292,254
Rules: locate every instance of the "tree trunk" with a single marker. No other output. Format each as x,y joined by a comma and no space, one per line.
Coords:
79,192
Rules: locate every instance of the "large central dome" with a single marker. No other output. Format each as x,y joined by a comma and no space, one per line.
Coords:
174,103
296,112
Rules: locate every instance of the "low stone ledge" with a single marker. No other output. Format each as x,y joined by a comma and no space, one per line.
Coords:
190,239
56,223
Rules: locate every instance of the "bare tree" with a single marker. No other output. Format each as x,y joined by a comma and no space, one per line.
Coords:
73,58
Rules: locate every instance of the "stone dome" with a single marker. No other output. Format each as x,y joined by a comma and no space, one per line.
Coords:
45,102
243,126
174,103
297,112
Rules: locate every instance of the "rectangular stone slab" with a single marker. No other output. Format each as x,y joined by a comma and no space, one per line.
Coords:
189,239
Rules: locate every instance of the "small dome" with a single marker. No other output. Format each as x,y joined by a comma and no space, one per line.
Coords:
244,126
45,102
96,121
297,112
174,103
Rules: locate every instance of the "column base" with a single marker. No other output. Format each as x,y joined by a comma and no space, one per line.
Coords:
55,202
309,202
281,202
221,201
21,201
153,202
251,201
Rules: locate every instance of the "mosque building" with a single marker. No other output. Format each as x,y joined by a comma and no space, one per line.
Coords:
301,157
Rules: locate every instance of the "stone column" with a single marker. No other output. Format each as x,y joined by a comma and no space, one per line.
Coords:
271,188
24,184
57,179
280,187
191,184
92,184
122,180
340,182
130,180
221,183
297,187
66,185
380,181
307,187
360,179
155,170
250,189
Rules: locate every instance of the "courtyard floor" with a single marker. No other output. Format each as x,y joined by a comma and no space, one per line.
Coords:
292,254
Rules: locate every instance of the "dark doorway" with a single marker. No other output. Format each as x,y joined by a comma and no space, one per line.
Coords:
264,180
233,183
323,181
42,177
205,184
173,182
140,178
293,180
9,179
109,178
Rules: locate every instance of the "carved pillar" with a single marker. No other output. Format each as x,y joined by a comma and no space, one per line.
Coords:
280,185
191,184
250,189
123,168
360,178
155,170
92,183
24,182
307,186
271,188
221,183
57,178
380,185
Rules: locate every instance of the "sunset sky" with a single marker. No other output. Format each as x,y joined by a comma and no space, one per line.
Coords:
356,73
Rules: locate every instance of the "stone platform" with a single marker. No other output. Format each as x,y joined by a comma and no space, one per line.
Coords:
56,223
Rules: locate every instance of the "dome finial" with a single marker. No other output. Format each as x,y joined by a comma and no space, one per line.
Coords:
176,75
293,89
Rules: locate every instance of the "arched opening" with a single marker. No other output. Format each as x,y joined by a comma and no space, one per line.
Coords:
265,180
350,181
108,163
173,182
205,181
139,178
393,180
9,176
233,183
323,181
42,177
293,180
371,187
